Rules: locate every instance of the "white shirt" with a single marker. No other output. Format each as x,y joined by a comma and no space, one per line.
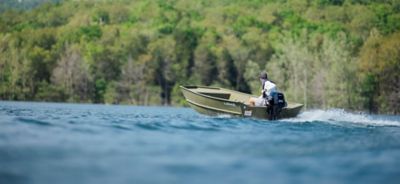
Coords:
269,87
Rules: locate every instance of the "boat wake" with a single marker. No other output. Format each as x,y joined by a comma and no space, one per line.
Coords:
335,116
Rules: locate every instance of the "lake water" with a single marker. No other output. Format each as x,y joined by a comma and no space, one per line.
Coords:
71,143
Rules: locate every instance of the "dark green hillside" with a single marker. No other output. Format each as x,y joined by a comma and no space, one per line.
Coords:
323,53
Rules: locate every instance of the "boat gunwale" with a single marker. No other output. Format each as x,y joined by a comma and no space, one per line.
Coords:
207,87
212,97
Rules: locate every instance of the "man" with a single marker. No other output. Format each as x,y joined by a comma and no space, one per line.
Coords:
268,87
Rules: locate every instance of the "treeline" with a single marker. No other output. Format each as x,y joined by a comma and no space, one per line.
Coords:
323,53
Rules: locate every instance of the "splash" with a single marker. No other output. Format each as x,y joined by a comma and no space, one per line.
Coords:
341,116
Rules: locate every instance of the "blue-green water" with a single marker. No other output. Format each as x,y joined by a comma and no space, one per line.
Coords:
70,143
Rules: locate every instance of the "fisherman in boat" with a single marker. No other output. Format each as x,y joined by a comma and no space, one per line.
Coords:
268,87
270,97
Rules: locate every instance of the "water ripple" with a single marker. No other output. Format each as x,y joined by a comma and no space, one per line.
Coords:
33,121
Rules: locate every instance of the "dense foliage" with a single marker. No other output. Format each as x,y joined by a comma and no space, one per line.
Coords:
323,53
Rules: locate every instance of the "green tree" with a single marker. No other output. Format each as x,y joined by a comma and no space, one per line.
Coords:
379,64
72,75
164,62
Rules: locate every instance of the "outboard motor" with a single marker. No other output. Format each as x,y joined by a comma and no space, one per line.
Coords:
276,102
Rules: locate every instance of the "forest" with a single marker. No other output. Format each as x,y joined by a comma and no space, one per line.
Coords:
322,53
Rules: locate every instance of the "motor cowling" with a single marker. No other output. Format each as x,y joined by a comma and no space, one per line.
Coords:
276,102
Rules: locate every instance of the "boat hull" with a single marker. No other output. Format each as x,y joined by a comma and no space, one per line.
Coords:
219,101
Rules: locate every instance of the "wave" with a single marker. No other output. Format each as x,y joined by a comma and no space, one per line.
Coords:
341,116
33,121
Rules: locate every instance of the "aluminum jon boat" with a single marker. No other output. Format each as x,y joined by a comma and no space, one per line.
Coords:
220,101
